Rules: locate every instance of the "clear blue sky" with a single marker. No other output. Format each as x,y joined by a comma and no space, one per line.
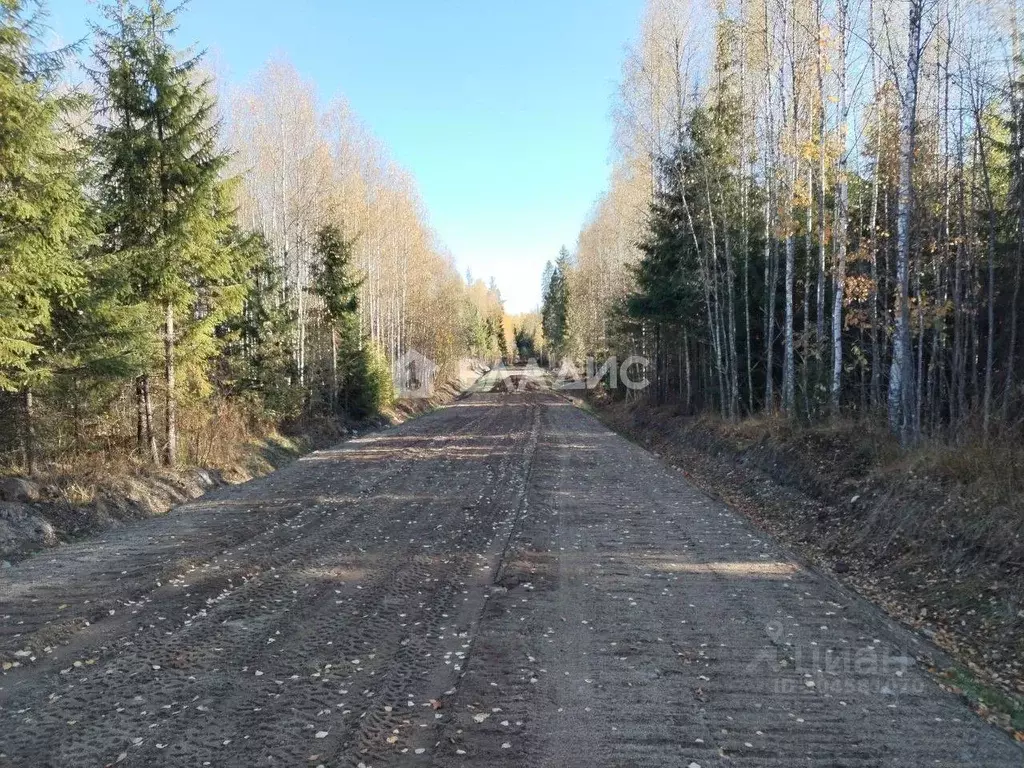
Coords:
500,108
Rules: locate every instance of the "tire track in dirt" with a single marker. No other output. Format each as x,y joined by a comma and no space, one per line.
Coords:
472,580
649,625
122,572
236,633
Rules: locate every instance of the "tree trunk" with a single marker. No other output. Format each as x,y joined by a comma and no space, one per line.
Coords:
770,270
842,221
689,375
990,330
148,434
170,401
745,175
959,405
876,344
334,370
901,372
944,399
1017,190
811,341
819,327
788,359
730,287
140,417
28,432
746,317
1011,350
919,391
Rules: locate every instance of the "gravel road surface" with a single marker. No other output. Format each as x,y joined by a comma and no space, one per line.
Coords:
502,582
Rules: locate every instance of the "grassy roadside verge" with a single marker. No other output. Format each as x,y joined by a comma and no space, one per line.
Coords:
935,546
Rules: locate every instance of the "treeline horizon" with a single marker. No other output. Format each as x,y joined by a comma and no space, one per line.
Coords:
817,210
179,274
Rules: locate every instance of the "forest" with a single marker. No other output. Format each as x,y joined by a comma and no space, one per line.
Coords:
185,262
816,210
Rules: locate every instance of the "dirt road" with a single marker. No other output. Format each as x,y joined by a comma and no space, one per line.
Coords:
502,582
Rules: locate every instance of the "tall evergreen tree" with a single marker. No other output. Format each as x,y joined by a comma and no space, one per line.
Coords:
339,291
259,362
42,210
165,210
554,311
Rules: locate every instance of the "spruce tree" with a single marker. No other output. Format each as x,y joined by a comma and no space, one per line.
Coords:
167,219
42,211
339,291
258,355
555,300
666,290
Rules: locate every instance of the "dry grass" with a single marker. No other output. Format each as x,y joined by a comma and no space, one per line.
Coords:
989,471
992,470
224,440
